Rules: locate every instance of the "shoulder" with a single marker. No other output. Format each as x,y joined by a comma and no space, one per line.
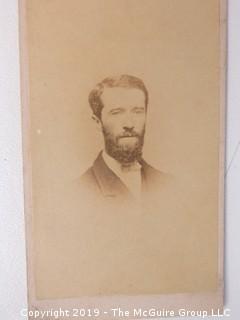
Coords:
87,176
152,173
87,182
155,179
87,179
95,177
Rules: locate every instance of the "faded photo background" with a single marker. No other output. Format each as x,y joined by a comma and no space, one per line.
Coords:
173,46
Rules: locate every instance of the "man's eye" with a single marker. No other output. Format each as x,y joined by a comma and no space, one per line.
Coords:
116,111
138,110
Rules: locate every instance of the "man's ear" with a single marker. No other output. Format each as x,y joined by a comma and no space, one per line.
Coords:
97,121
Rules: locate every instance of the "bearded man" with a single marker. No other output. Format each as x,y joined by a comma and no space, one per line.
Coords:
122,232
119,106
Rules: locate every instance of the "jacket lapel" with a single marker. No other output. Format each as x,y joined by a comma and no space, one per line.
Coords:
109,183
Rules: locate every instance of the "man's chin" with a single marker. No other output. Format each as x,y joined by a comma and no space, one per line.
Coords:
125,150
126,156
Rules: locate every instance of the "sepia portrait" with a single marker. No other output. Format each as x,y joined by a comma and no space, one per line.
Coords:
123,137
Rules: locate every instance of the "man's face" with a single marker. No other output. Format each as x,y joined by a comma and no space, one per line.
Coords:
123,123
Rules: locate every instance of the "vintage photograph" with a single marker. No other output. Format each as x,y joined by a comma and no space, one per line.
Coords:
119,105
123,133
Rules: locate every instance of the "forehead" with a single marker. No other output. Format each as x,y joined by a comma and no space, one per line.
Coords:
116,97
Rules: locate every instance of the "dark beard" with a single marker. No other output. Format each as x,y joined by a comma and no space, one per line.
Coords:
124,154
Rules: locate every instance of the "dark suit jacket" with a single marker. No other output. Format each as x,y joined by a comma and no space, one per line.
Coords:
101,181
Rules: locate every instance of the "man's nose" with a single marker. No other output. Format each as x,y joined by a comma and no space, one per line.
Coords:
128,124
128,129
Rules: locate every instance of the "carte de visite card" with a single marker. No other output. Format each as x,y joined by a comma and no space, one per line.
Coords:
123,106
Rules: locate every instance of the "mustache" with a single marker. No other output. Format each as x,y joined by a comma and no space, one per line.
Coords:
126,133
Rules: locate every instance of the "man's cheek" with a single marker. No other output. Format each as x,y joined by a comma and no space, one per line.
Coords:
110,128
